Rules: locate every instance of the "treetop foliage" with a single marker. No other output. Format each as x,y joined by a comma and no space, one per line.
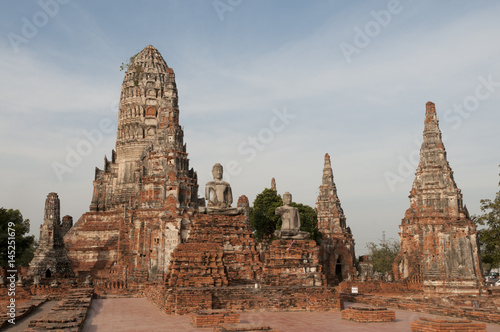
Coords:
262,216
489,237
264,220
383,254
12,223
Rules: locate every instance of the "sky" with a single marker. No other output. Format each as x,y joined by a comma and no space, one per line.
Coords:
266,88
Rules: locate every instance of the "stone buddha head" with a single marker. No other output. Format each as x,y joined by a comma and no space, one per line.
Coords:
287,199
217,172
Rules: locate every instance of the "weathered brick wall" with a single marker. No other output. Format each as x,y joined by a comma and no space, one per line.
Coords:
278,299
179,301
197,265
186,300
91,243
220,251
365,315
296,264
209,318
380,287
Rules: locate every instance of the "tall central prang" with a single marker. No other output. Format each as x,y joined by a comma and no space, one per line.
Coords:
150,163
145,196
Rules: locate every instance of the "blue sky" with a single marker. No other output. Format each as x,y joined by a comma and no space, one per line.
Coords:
353,78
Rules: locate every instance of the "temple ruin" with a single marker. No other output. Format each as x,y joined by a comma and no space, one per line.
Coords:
50,258
439,245
148,232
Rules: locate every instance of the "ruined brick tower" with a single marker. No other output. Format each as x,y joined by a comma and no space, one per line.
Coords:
439,248
50,258
337,243
145,195
150,152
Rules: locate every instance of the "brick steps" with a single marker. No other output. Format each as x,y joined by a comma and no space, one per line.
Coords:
22,310
68,315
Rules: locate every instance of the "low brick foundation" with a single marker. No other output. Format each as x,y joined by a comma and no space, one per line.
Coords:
430,305
368,315
445,325
243,328
209,318
380,287
186,300
27,291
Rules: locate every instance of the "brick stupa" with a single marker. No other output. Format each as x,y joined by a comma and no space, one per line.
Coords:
145,195
337,243
50,258
439,246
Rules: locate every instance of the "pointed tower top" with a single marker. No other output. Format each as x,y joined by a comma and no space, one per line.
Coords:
273,184
331,217
430,108
327,171
434,190
147,60
432,134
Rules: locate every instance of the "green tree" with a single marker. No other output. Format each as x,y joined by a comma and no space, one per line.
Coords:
308,220
262,217
264,220
13,226
489,237
383,254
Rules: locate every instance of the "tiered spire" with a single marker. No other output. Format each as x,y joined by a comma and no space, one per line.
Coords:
331,218
434,190
51,221
150,151
148,103
439,247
